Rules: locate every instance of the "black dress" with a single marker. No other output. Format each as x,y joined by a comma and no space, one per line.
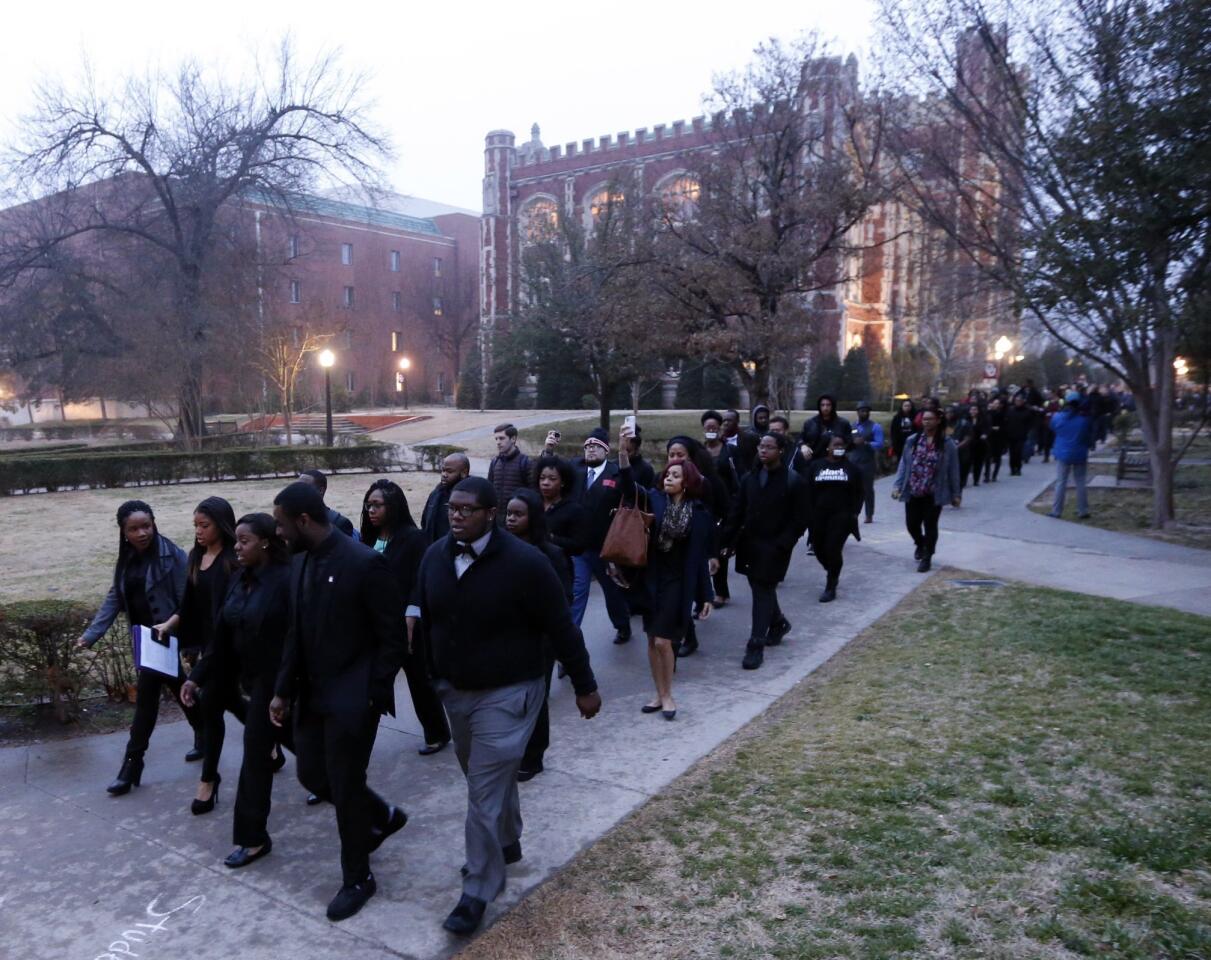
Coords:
669,615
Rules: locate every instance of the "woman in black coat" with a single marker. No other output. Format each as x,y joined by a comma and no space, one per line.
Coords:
565,517
251,628
902,426
148,583
388,527
212,562
526,519
677,577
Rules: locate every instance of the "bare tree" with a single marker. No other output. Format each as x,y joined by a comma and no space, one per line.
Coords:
1073,136
453,327
160,170
282,355
756,254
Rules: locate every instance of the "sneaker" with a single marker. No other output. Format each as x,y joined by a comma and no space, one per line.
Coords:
754,655
351,899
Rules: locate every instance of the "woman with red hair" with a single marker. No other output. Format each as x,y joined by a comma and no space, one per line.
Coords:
677,575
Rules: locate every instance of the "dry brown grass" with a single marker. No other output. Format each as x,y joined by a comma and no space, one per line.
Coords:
63,544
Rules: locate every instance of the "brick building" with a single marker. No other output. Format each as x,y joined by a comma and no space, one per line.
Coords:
886,296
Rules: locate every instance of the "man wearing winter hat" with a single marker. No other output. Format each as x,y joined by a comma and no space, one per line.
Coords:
820,429
1073,429
597,489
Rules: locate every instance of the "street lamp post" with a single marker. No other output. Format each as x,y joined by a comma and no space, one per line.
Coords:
327,359
402,378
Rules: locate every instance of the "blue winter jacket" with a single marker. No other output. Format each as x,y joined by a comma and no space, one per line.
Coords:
1073,436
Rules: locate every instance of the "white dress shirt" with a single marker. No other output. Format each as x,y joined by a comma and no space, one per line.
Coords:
462,562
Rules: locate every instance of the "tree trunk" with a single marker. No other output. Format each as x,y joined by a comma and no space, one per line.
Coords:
604,389
1156,424
286,417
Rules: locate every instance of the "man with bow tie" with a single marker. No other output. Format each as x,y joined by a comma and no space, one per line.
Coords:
492,603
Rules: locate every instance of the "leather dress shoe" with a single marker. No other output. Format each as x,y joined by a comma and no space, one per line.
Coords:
431,748
511,851
524,775
779,629
829,595
313,800
923,566
395,823
687,648
195,754
466,917
754,655
622,636
351,899
240,857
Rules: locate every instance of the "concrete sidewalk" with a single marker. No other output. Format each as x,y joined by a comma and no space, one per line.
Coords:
995,533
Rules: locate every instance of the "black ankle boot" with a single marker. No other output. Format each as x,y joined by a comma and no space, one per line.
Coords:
129,776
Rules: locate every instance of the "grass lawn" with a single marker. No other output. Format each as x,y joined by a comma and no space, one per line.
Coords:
1130,510
984,773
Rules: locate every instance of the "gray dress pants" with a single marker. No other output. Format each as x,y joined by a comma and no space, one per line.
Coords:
490,729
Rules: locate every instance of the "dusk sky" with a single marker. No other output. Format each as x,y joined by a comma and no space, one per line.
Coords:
441,75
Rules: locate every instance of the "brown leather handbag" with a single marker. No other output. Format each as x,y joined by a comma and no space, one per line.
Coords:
626,542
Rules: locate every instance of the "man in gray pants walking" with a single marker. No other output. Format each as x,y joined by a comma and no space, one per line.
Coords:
491,605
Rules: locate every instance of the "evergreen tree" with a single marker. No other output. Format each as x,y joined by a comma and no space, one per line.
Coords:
470,387
825,377
855,375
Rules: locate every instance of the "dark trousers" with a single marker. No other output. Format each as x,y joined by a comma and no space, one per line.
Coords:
868,488
964,468
829,536
719,580
252,799
921,517
992,466
1016,448
218,698
425,701
587,566
540,739
147,709
979,453
333,751
1046,441
765,608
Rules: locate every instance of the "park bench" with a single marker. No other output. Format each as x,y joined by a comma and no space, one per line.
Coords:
1133,464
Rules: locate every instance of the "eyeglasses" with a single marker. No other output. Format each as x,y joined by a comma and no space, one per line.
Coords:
375,506
464,510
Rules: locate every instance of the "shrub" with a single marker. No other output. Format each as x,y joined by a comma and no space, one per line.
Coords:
39,659
432,454
102,469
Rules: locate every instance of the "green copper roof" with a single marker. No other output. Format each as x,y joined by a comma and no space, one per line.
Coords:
338,209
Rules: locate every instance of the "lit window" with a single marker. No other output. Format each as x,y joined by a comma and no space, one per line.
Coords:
679,198
397,301
296,291
347,254
348,300
397,340
603,201
437,306
292,246
540,220
395,261
437,266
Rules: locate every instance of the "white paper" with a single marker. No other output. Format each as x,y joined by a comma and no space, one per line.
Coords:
155,656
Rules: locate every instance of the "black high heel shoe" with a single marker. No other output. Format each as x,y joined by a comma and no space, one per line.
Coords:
279,758
129,775
198,807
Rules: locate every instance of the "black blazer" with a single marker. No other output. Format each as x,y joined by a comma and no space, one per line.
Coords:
347,635
250,630
494,625
766,523
403,555
568,525
434,521
599,501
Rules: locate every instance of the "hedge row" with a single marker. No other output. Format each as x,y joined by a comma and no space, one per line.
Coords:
41,664
72,471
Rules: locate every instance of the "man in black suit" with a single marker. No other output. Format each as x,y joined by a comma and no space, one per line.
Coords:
434,521
768,517
598,491
344,647
492,605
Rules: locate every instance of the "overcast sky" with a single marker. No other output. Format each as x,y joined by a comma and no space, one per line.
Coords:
442,73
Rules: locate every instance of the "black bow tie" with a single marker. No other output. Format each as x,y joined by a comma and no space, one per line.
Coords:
465,550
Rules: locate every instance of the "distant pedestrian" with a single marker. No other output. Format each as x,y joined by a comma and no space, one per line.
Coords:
902,426
434,521
1073,427
510,468
866,445
927,480
317,479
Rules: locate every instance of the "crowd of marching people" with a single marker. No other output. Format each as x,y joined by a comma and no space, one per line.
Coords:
297,622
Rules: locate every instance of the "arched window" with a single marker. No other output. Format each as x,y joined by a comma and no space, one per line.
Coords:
540,220
679,197
602,200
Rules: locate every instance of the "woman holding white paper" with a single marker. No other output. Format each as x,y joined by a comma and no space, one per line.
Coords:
148,584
